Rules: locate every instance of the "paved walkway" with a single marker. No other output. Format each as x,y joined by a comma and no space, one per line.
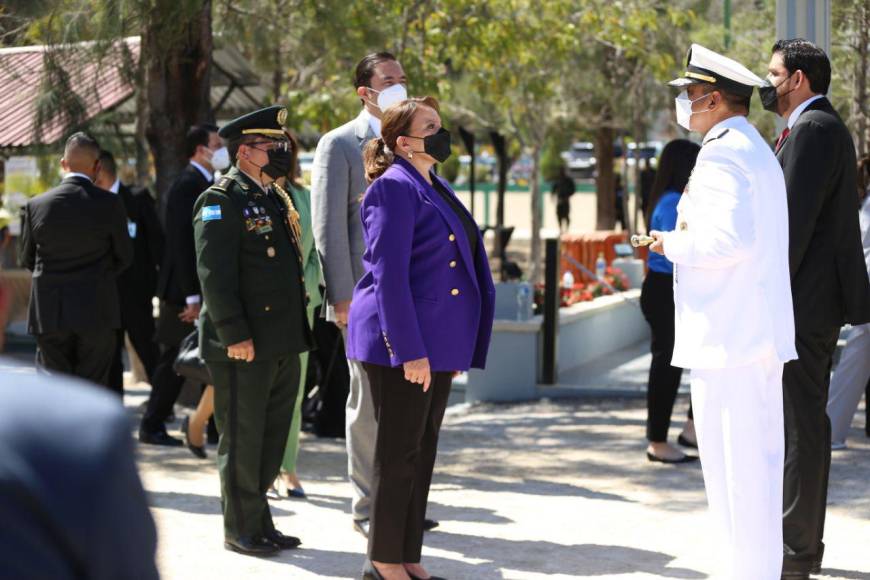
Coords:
548,490
556,489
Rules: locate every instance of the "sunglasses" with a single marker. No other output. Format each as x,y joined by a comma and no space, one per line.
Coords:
284,146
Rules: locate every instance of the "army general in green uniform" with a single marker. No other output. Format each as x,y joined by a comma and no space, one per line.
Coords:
253,324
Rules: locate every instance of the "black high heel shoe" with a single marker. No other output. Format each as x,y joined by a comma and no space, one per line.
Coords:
685,442
429,578
185,429
369,572
683,459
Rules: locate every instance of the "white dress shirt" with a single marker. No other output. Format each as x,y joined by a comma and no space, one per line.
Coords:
792,119
374,122
209,176
77,174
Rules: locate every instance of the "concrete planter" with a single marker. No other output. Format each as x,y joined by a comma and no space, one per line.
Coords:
587,331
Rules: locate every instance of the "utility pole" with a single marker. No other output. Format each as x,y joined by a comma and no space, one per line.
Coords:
809,19
727,25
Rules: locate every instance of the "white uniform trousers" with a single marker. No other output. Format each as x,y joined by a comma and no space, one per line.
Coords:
849,382
741,440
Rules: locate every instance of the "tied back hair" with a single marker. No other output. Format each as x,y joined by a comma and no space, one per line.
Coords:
674,168
379,154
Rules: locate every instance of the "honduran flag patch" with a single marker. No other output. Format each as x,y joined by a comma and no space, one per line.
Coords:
211,212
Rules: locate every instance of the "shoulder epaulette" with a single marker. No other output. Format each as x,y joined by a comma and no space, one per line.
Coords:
719,136
223,183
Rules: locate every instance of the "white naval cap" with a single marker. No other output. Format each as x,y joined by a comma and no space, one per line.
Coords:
705,66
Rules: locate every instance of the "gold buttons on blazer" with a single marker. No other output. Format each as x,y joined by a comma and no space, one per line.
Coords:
267,308
455,292
451,237
270,251
452,263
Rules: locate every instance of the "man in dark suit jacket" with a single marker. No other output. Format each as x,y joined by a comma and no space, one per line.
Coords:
137,285
829,281
74,239
71,507
178,285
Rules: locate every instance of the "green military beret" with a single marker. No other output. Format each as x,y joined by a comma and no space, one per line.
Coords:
269,121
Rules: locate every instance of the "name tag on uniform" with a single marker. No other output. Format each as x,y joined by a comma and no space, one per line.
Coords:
211,212
131,229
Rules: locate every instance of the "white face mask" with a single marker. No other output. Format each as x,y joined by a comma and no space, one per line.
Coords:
220,159
390,96
684,109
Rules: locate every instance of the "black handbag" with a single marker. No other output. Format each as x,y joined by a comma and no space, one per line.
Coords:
188,363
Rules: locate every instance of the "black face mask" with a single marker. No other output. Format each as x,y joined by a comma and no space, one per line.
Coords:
279,165
437,145
769,97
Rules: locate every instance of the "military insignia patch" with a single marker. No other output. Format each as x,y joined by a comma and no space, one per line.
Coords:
282,116
211,212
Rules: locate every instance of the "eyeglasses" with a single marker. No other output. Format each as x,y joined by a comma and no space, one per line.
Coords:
284,146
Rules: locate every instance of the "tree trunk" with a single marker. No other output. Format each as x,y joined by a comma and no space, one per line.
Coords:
143,166
535,253
178,79
859,86
604,193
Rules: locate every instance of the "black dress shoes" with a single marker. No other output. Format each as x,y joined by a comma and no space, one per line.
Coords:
362,526
250,546
429,525
185,429
159,438
683,459
800,567
282,541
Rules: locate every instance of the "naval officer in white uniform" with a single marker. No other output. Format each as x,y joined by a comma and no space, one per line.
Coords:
734,318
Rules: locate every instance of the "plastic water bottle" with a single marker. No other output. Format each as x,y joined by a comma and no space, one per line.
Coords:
568,280
523,301
600,266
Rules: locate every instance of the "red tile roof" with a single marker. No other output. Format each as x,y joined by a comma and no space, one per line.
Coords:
98,84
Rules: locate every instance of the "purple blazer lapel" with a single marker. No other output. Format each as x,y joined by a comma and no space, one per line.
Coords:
447,213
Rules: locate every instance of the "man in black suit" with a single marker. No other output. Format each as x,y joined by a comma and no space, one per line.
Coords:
71,507
74,239
178,284
828,277
137,285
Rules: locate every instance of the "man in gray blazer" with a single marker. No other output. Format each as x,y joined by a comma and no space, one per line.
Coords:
337,184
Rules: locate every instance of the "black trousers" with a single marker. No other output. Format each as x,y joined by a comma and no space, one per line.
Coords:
138,323
867,410
807,443
657,304
165,383
87,355
408,421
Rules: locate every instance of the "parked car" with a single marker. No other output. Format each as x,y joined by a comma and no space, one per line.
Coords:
306,160
649,150
580,160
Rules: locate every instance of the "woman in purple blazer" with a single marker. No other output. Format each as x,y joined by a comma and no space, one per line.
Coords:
422,312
